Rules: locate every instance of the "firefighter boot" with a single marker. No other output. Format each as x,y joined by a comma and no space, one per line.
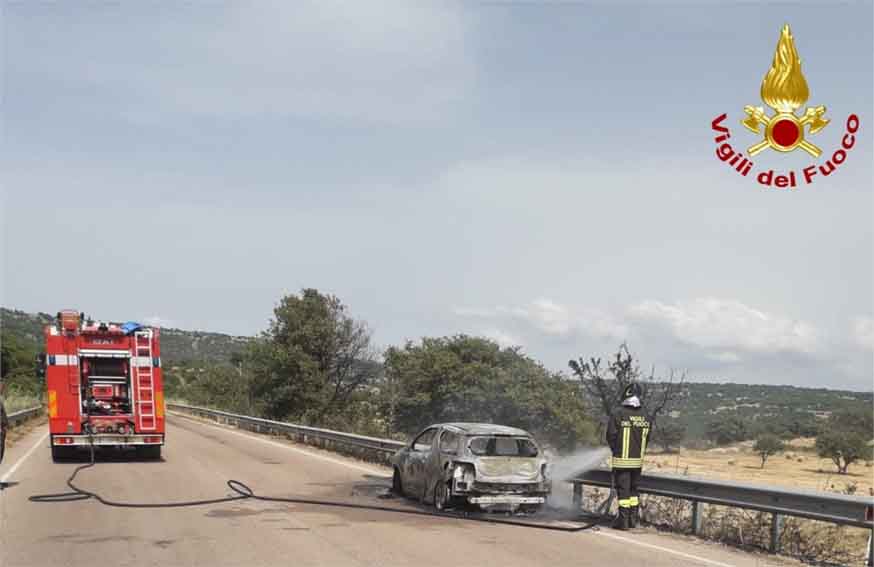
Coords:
622,520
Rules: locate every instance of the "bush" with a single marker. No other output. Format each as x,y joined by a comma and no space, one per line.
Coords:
463,378
843,448
766,445
726,431
669,434
845,439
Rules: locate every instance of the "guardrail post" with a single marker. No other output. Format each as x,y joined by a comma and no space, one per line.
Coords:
871,548
578,495
776,528
696,517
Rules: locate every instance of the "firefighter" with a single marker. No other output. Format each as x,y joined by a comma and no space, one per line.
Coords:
627,431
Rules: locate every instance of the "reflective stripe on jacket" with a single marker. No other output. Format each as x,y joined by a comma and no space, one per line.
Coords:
627,432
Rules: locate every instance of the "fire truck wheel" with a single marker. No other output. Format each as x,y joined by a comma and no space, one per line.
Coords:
149,453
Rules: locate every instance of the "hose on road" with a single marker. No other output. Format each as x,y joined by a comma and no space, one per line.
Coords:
244,492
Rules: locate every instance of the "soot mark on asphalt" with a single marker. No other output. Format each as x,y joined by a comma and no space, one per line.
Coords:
243,512
106,539
370,490
62,537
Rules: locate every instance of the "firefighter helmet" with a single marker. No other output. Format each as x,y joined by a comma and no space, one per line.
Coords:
630,390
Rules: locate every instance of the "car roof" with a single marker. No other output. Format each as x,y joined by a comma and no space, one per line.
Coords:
484,428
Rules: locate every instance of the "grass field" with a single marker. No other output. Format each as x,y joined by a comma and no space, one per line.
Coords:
797,467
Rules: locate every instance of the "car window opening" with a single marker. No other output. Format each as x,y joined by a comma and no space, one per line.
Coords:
496,446
423,441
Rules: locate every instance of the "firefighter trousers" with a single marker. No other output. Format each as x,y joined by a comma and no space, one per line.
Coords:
625,481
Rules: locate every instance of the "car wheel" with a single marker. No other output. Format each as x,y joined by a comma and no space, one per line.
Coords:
441,496
397,486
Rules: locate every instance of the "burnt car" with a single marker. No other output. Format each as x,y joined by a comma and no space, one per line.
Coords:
481,464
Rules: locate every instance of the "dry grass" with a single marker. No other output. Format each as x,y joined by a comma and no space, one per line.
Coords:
19,431
797,467
813,542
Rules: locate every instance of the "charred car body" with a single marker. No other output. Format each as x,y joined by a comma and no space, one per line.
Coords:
490,466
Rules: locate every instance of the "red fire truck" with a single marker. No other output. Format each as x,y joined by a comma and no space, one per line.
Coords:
104,386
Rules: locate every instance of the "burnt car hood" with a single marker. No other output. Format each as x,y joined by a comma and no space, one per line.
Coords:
508,468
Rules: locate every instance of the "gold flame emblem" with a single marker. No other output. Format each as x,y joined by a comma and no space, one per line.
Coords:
784,89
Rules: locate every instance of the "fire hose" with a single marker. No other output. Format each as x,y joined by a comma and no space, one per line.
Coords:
244,492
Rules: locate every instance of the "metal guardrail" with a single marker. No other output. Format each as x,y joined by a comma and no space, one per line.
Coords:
23,415
835,508
830,507
368,448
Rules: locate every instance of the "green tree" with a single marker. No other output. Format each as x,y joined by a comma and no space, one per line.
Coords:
463,378
18,365
766,445
213,385
603,387
843,449
311,359
669,433
728,430
861,422
845,439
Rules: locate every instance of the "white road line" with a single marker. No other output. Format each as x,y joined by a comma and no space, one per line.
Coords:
289,447
663,549
24,457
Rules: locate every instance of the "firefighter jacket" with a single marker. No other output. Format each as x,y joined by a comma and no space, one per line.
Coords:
627,432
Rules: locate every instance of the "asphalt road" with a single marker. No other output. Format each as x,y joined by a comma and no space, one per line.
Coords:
199,458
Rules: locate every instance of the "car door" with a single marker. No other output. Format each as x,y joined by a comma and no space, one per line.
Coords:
417,461
443,449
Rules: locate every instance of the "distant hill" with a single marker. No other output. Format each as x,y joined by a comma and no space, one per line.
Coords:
786,408
177,346
796,409
26,327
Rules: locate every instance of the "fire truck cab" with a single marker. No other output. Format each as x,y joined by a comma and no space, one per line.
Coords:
103,386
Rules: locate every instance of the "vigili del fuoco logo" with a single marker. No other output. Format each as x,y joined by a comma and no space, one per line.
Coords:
784,90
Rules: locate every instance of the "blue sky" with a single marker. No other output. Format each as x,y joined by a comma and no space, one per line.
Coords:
543,174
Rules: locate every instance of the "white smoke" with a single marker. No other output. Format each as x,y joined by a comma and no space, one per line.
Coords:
564,468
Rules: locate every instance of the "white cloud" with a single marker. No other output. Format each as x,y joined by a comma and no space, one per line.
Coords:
863,332
502,338
548,318
714,323
473,312
726,357
158,321
723,331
